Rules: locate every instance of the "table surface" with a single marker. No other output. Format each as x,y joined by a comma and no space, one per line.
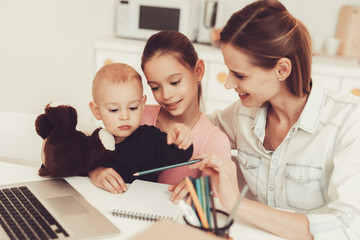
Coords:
102,200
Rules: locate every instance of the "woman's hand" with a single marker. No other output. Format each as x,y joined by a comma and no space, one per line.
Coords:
107,179
180,191
180,135
223,177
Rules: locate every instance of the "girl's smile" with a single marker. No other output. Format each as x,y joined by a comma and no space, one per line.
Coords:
173,106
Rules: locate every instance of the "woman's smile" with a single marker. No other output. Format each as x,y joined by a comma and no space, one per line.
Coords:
243,95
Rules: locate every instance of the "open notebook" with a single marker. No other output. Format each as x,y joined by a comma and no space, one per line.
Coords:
147,201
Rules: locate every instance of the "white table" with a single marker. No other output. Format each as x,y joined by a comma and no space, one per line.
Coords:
102,200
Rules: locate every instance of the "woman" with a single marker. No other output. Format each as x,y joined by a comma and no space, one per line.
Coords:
298,143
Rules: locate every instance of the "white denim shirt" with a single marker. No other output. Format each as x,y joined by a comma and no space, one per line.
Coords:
316,168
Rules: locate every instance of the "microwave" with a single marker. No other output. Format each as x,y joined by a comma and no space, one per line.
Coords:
142,18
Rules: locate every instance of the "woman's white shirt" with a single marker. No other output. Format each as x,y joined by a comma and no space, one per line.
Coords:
316,168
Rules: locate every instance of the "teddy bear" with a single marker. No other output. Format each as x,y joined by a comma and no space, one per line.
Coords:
67,151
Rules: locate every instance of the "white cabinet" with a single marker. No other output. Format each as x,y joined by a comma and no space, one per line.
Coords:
342,74
339,74
105,56
326,80
216,79
351,84
110,50
216,96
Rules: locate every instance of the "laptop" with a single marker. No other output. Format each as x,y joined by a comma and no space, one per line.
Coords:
50,209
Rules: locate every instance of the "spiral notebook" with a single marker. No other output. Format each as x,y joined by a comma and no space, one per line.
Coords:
146,201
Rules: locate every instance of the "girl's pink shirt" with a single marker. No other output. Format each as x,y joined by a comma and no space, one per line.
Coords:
207,139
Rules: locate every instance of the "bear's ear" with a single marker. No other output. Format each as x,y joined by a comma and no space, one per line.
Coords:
95,110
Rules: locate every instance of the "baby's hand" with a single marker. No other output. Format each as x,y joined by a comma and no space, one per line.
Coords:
107,179
180,135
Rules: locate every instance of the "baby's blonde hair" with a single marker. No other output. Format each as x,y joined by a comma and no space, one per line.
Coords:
115,73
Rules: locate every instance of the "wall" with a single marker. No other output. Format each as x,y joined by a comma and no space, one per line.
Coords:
46,52
320,16
46,46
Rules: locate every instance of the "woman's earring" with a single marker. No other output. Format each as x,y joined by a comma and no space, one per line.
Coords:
280,78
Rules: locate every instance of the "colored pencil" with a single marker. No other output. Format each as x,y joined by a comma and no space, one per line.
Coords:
203,196
207,198
196,202
213,210
166,167
199,192
192,203
237,204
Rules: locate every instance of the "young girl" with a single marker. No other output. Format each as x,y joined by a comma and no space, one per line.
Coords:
174,73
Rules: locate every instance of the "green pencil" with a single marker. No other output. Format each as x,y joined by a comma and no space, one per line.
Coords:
207,194
166,167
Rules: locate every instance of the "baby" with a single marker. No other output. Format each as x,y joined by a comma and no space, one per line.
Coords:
118,101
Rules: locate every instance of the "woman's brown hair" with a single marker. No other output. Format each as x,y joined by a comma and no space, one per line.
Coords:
267,32
175,43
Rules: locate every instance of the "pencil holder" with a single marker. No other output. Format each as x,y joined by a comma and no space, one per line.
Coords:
222,229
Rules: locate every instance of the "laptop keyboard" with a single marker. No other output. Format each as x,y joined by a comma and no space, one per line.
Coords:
22,216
